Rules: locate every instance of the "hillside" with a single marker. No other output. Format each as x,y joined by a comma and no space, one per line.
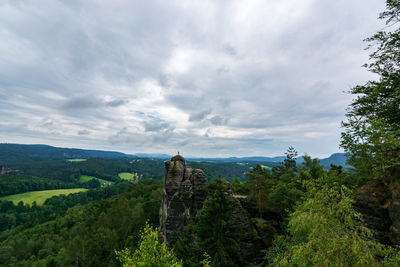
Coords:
15,153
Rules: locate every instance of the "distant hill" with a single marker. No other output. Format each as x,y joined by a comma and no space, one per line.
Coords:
242,159
153,155
337,159
13,153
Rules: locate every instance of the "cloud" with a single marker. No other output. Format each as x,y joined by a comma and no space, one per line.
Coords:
199,116
208,78
218,120
116,102
83,132
156,126
89,102
81,103
47,122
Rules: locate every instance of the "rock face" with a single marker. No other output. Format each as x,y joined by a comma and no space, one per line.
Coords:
184,193
394,213
379,203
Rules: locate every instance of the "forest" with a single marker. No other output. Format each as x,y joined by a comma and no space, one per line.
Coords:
292,213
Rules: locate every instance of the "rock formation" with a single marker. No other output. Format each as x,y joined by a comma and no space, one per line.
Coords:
184,192
379,203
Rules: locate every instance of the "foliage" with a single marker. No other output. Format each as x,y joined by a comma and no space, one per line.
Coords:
218,233
372,129
290,161
25,215
279,189
186,246
324,230
206,262
258,182
151,252
85,235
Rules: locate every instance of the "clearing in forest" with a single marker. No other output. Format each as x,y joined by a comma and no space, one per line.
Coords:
87,178
39,196
128,176
76,160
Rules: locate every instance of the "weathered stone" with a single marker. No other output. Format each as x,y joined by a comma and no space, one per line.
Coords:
394,212
184,193
379,203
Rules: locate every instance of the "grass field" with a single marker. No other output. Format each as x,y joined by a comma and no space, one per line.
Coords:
86,178
40,196
76,160
266,167
127,176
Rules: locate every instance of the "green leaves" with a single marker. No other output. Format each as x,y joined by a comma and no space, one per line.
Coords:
218,232
152,252
372,129
324,230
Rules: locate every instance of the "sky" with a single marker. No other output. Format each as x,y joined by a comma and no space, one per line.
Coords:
206,78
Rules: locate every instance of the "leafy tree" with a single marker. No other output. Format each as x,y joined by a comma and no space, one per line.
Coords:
372,129
326,231
151,252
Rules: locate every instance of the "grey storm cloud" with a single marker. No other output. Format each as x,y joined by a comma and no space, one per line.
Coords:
210,78
218,120
88,102
199,116
116,102
155,126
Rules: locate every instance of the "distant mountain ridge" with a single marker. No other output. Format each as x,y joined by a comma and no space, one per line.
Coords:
11,153
336,158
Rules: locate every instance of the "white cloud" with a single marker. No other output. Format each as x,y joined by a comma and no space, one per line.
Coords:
204,77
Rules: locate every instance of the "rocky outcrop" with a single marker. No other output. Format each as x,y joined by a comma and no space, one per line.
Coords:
379,203
184,193
394,212
370,201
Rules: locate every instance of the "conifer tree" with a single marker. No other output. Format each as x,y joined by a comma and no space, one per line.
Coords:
219,234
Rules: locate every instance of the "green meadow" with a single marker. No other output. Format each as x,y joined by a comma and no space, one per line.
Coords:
127,175
87,178
40,196
264,167
76,160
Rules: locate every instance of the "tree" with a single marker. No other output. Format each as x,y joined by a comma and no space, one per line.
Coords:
290,161
258,183
151,252
372,129
219,234
326,231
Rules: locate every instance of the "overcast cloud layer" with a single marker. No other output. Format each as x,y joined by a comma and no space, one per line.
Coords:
207,78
